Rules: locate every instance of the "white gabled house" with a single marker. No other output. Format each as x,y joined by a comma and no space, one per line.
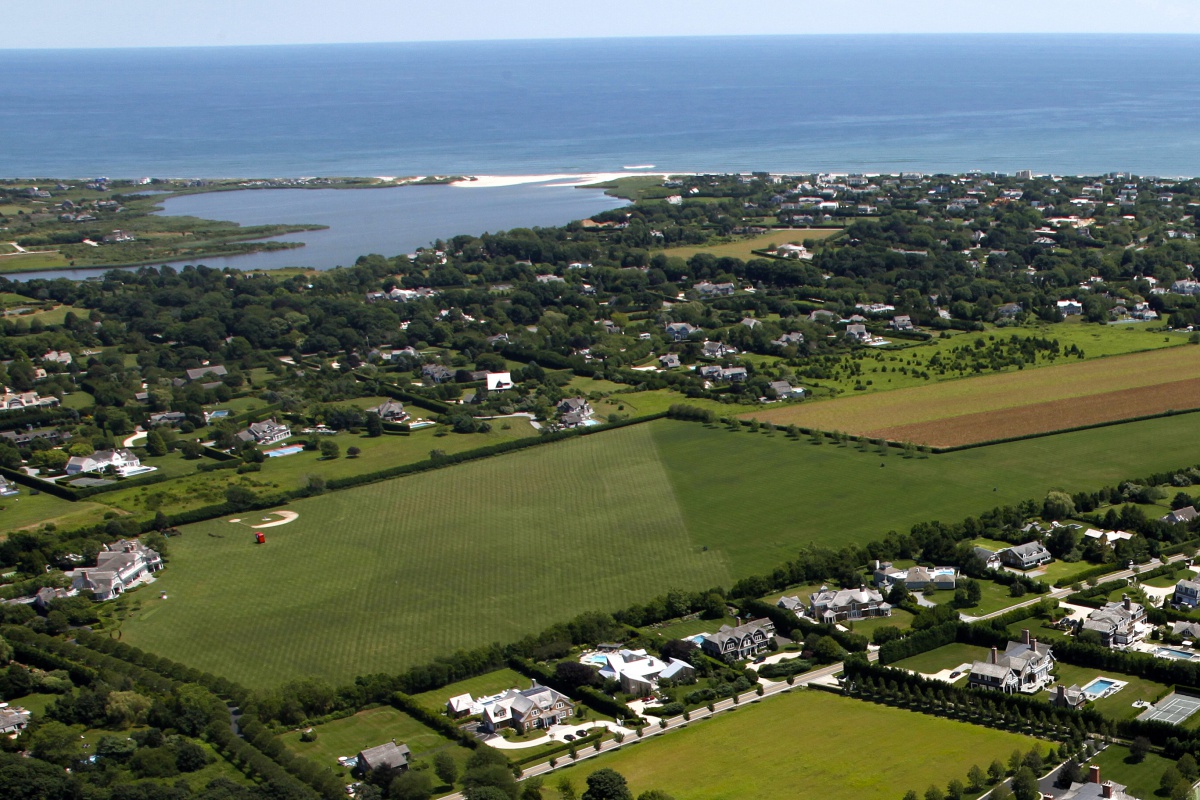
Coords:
123,463
117,568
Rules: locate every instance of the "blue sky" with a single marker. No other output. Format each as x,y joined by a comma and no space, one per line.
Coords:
149,23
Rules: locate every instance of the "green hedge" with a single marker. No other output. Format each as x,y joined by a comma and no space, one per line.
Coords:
918,642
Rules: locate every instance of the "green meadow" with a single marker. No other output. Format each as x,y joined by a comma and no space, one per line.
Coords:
392,574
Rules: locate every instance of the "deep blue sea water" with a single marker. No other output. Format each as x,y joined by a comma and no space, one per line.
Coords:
1078,104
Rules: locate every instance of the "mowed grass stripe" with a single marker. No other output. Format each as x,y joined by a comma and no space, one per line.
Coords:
393,574
807,744
1055,415
990,392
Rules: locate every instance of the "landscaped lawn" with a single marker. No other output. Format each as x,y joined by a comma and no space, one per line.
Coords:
1119,705
385,576
760,751
27,510
1165,581
35,703
375,726
292,471
479,686
1140,780
1059,570
944,657
685,628
898,619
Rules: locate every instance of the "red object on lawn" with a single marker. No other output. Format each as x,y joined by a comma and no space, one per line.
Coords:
260,537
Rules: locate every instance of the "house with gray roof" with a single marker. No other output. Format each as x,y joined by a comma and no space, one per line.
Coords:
1025,666
668,361
535,708
1026,556
1188,630
738,644
794,604
7,487
1185,514
214,370
793,338
916,577
117,568
1068,697
734,374
13,720
990,559
1095,789
266,432
1118,624
831,606
785,391
1187,594
167,418
680,331
437,373
858,332
391,411
387,756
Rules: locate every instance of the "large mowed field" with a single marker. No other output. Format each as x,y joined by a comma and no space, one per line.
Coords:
744,248
806,744
1013,404
389,575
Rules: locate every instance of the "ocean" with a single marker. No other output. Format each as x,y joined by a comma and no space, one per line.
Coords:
1061,104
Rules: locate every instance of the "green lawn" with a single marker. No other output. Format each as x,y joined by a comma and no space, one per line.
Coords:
944,657
350,735
898,619
26,510
385,576
35,703
480,685
293,471
395,573
805,744
1058,570
800,493
686,628
1117,706
1141,779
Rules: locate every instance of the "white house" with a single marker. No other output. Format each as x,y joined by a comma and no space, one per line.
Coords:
123,463
19,401
639,673
1070,308
117,568
1024,667
534,708
499,381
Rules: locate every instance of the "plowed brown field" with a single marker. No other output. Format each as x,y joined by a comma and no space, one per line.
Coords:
1013,403
1055,415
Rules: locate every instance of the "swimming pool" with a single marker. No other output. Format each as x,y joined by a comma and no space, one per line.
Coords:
1170,652
1099,686
284,451
596,659
218,414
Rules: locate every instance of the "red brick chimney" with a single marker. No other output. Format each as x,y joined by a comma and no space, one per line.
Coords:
1106,789
1127,602
1025,636
1094,774
995,656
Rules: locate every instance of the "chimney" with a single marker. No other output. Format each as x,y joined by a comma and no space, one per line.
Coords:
1106,789
1126,602
1094,774
877,564
1033,644
995,656
1025,636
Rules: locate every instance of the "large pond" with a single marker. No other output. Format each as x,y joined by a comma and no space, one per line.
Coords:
388,221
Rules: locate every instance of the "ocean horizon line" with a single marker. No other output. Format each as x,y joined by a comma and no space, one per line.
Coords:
1123,36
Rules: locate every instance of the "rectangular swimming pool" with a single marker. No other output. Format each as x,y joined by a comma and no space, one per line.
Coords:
1170,652
1099,686
291,449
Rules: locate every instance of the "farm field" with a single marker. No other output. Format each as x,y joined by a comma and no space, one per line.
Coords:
392,574
744,248
350,735
754,752
1001,405
385,576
